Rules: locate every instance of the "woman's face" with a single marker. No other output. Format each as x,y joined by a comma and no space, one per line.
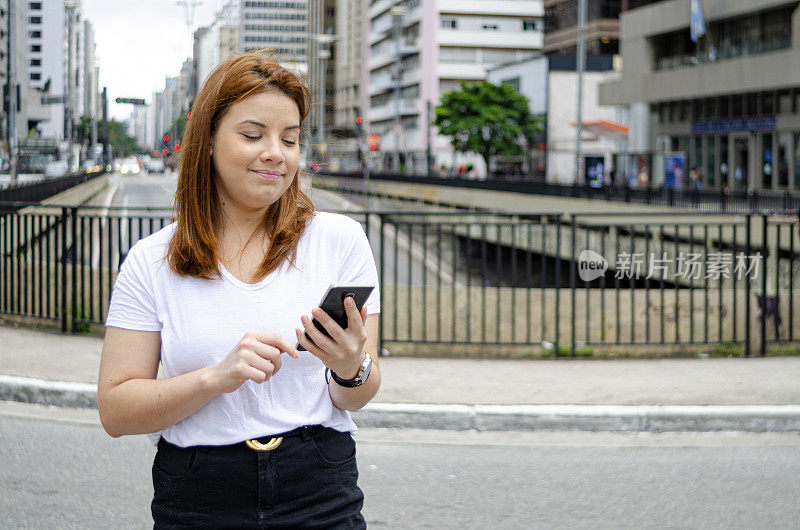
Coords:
256,151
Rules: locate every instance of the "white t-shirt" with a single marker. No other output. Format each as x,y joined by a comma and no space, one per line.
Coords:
202,320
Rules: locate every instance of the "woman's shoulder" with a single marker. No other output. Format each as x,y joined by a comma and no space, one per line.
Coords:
334,222
154,247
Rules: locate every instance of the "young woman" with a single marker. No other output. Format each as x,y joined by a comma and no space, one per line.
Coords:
250,432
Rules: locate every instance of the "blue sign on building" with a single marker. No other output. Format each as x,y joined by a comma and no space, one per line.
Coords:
764,123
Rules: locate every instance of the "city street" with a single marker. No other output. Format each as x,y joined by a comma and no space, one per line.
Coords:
62,470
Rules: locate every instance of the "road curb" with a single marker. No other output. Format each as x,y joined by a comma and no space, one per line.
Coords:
607,418
43,392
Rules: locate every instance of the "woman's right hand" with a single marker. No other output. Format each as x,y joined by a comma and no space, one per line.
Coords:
257,357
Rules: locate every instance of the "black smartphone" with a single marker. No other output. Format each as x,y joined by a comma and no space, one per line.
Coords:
333,304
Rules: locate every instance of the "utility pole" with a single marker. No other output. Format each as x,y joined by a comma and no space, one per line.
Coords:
428,108
12,92
580,59
106,150
70,6
397,13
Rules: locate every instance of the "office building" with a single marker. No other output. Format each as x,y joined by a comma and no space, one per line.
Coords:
418,50
728,104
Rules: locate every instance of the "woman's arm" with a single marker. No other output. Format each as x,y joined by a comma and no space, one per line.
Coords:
132,401
355,398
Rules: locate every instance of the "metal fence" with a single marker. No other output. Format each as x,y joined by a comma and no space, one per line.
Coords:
30,192
540,280
730,201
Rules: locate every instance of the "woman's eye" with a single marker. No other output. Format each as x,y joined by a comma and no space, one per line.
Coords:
251,137
290,142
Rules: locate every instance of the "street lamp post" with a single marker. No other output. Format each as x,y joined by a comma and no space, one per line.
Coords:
324,39
579,67
397,14
70,5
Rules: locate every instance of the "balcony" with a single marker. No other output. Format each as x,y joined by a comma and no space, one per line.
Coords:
527,8
532,40
461,70
390,111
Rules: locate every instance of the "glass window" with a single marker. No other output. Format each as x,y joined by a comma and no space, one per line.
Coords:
723,158
697,152
796,160
708,177
449,23
766,159
796,107
784,150
723,107
696,109
752,105
684,109
784,102
767,103
529,24
737,106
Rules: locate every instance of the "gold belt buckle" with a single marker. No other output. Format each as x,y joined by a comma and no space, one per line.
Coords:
273,443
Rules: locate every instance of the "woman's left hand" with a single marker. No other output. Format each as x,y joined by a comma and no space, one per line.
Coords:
343,353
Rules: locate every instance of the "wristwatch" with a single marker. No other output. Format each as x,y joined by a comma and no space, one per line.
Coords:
361,376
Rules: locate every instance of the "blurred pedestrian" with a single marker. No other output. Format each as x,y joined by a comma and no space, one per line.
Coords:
247,436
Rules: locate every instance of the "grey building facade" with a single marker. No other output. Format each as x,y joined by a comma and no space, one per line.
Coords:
729,103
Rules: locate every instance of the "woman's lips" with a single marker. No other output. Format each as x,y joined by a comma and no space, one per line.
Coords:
269,175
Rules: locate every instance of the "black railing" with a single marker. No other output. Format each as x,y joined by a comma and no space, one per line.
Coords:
33,192
539,281
704,199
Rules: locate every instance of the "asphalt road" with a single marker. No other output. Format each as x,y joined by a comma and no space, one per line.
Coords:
61,470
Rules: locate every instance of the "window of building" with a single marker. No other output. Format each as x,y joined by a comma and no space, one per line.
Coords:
737,106
514,81
36,47
490,27
752,34
35,20
530,24
767,103
696,109
449,23
752,105
35,34
723,107
34,6
36,62
784,102
36,77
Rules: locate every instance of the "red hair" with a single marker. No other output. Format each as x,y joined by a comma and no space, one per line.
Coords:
193,250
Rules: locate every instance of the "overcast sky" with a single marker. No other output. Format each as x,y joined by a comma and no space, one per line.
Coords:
139,43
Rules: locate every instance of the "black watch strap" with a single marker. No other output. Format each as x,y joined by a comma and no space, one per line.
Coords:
361,376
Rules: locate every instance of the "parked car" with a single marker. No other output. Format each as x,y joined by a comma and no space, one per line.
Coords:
129,166
56,168
155,165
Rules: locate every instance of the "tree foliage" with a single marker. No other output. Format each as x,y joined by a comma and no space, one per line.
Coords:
121,144
487,119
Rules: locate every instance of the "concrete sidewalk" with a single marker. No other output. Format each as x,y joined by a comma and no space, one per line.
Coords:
758,394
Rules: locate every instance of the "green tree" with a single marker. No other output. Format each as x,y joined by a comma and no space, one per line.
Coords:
487,119
121,144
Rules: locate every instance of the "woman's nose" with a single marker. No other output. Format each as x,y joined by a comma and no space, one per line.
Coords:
272,151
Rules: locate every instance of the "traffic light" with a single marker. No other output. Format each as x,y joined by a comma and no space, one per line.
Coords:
359,123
